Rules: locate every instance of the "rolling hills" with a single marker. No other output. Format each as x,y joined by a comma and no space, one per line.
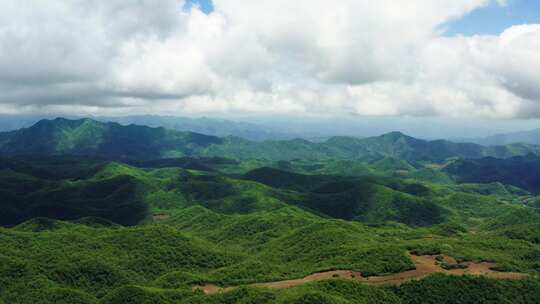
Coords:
259,226
102,213
132,142
60,188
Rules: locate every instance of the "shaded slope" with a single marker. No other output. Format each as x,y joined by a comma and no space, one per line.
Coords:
369,200
124,194
517,171
115,199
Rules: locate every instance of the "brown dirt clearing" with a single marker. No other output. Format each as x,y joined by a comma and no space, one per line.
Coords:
425,266
160,217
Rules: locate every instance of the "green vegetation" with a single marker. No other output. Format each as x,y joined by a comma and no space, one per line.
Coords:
265,225
132,142
517,171
111,140
27,193
444,289
150,220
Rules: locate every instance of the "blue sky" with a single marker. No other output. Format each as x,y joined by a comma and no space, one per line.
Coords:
490,20
206,5
494,19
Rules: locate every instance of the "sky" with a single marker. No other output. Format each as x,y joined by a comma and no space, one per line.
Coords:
494,19
487,20
453,59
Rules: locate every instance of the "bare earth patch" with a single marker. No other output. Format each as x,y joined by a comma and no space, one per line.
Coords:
160,217
425,266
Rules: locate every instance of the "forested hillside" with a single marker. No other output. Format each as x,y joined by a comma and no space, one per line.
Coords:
88,230
132,142
102,213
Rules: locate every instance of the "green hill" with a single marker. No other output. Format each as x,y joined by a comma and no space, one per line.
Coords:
125,194
114,141
366,199
392,165
25,197
517,171
111,140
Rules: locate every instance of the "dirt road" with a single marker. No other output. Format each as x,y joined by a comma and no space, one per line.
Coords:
425,266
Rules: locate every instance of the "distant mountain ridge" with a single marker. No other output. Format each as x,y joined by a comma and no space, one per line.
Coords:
133,142
204,125
525,137
519,171
110,140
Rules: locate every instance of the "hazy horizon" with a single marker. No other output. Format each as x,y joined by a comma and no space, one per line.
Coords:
321,127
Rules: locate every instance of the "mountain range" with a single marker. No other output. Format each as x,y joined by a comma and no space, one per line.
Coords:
134,142
526,137
205,125
99,213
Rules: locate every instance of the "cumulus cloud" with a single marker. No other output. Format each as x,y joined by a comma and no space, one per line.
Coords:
265,56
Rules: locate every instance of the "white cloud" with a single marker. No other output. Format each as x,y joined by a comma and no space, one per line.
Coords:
263,56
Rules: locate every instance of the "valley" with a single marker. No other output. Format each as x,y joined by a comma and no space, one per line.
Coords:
78,226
